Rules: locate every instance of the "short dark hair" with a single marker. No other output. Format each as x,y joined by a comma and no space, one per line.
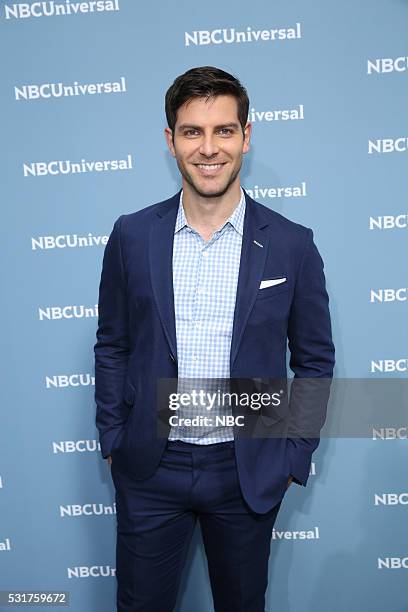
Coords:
205,82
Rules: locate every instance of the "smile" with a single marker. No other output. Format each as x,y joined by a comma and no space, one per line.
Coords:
209,169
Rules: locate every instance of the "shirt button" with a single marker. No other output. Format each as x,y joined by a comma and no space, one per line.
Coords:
195,358
205,253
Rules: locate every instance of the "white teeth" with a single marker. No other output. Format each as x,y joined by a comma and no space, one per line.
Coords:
209,166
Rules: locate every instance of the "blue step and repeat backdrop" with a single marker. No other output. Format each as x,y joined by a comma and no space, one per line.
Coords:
82,97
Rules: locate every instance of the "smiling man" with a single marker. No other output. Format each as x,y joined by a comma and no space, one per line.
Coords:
207,285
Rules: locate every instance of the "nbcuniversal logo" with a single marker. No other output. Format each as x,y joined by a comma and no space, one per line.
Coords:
50,8
221,36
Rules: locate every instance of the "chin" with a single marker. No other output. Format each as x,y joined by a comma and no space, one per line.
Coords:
211,191
214,193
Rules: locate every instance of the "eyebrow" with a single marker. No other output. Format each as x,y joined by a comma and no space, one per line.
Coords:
185,126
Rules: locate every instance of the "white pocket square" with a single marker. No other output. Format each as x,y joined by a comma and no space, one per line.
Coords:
272,282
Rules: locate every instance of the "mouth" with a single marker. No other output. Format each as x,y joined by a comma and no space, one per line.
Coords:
209,169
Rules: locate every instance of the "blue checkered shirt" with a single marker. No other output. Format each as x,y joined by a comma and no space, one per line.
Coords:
205,277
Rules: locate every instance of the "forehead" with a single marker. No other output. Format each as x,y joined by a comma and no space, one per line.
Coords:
216,110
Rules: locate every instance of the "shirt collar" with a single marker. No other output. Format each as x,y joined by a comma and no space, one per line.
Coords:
236,219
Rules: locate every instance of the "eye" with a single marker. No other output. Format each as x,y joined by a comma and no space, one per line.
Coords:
190,132
226,131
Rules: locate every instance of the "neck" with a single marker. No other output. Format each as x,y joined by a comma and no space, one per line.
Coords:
210,213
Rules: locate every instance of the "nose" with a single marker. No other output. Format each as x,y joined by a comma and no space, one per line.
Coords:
208,146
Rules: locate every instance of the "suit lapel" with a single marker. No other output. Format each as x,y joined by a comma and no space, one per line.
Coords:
251,268
252,263
161,267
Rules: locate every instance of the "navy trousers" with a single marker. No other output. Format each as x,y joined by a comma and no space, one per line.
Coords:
156,519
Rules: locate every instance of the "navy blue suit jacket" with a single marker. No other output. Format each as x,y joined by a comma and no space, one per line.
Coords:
136,338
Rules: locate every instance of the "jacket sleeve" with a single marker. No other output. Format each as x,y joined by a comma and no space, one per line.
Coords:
112,346
311,359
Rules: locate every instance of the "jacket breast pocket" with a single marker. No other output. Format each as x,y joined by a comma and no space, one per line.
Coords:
280,286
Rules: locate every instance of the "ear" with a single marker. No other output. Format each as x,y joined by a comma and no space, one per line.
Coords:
169,139
247,137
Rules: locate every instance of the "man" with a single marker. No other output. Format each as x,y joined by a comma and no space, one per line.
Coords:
207,284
